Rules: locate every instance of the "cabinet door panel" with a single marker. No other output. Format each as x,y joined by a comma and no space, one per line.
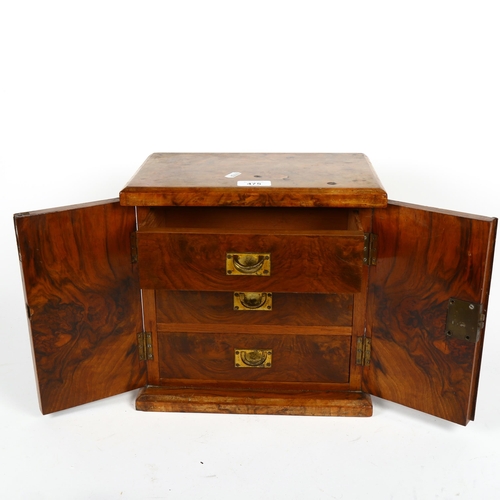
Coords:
425,258
83,302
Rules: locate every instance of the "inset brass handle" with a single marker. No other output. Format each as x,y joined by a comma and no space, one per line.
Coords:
253,301
248,264
253,358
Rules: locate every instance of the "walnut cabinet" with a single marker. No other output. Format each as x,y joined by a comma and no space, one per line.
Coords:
257,283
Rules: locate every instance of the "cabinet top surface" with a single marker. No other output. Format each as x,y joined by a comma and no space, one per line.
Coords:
255,179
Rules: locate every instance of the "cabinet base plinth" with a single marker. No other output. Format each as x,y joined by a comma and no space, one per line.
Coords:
261,402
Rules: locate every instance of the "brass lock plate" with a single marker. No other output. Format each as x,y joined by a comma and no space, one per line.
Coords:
253,358
465,320
248,264
252,301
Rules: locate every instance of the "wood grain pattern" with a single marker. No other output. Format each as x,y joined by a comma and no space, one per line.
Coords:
425,257
330,263
261,402
297,180
216,308
83,302
296,358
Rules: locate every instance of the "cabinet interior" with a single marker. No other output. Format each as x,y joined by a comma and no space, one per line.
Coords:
249,218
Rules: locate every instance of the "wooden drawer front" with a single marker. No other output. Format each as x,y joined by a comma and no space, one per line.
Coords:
206,309
295,358
329,263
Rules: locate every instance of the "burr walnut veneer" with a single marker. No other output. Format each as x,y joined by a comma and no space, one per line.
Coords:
257,283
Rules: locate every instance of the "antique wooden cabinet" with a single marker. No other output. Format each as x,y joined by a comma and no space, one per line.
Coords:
257,283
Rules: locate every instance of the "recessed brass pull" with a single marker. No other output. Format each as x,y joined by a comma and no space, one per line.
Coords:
253,358
252,301
248,264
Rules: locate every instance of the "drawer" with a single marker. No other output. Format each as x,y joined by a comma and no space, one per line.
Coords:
263,358
231,249
287,311
331,262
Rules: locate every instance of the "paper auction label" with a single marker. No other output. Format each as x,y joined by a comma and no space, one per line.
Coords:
254,183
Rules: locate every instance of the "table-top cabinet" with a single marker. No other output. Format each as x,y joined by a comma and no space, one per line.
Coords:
257,283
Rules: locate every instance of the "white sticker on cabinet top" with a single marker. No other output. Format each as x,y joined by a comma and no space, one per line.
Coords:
232,175
254,183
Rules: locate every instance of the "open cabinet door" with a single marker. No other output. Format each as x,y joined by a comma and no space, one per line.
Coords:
83,302
424,315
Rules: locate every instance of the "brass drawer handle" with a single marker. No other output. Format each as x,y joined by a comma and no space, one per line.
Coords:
253,358
248,264
252,301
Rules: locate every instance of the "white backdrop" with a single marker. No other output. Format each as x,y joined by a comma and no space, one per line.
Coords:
89,89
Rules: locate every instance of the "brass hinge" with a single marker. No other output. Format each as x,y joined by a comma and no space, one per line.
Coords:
370,249
363,351
133,247
145,346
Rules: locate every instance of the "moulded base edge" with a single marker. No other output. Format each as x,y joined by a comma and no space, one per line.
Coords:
262,402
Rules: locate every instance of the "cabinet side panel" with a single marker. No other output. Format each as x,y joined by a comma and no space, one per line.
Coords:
425,258
83,302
